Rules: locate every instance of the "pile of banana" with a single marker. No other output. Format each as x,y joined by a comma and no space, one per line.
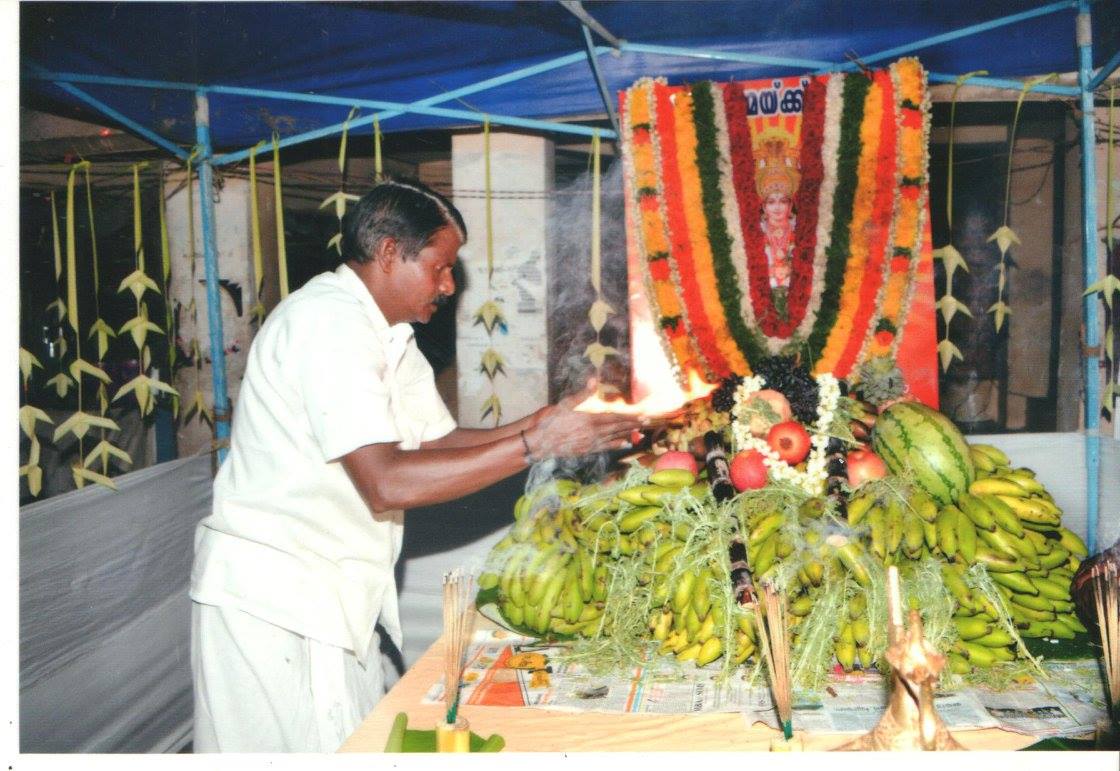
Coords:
565,562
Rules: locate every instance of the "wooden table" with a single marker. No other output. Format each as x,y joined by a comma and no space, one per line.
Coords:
541,730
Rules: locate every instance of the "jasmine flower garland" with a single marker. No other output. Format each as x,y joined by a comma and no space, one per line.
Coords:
813,479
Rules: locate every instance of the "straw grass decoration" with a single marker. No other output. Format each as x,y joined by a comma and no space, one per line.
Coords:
772,634
458,626
1106,596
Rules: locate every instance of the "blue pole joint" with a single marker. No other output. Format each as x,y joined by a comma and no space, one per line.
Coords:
210,254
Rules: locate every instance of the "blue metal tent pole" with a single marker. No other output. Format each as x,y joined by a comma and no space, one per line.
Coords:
210,253
946,37
1089,263
1008,83
725,56
600,82
483,85
376,104
1108,68
119,117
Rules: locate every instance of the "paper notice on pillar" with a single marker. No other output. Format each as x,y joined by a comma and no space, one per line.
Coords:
521,342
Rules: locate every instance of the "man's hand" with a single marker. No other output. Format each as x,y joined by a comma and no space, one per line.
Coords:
560,431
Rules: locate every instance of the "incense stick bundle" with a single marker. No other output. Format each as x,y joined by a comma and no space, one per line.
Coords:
772,634
458,625
1106,596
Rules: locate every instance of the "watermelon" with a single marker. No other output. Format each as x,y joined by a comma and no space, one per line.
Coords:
914,439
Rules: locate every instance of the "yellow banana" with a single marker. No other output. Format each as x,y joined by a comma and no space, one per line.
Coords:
923,505
981,460
976,511
971,627
947,531
966,535
894,525
857,605
846,655
858,508
743,649
957,587
929,533
958,665
672,477
690,653
767,553
634,519
850,554
683,592
710,650
1021,613
701,593
913,535
1049,589
1025,479
706,630
997,486
864,656
861,631
766,527
1073,622
802,606
994,454
997,638
977,655
1033,601
877,520
1033,510
1058,556
1003,514
512,613
1072,543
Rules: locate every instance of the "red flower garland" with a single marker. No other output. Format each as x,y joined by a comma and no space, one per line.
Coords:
805,202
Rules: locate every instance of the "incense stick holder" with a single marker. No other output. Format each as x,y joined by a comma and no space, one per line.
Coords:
453,737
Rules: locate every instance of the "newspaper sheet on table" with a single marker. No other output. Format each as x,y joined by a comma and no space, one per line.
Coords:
506,669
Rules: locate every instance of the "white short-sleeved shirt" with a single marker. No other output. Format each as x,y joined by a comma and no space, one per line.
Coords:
289,539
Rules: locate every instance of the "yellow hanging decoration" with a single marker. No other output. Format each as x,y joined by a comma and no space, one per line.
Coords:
99,329
256,313
1004,236
340,197
281,249
490,313
197,403
600,309
951,259
376,149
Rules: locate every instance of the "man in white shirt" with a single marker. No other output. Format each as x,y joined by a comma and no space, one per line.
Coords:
339,428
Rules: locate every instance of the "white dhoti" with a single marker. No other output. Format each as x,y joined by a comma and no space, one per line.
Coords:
261,688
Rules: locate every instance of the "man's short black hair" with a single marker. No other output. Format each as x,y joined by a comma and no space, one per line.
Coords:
403,209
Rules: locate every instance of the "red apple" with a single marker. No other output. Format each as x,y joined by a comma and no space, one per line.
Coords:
748,470
763,406
677,459
864,465
790,440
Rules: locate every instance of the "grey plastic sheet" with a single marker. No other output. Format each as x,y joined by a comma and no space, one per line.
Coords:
104,621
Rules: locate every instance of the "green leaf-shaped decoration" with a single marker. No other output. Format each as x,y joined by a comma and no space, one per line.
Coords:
256,314
597,353
1107,286
1004,238
953,260
103,332
138,282
83,475
950,306
145,389
62,384
489,315
80,422
198,407
139,327
34,476
336,242
492,406
59,307
103,451
492,363
339,198
1001,311
80,366
946,351
103,398
27,362
598,314
29,416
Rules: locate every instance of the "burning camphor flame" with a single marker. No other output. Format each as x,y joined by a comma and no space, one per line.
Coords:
665,400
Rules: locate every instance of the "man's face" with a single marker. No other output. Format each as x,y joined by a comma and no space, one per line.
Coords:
425,281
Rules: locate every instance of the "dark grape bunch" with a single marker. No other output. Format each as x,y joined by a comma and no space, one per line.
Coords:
784,374
723,398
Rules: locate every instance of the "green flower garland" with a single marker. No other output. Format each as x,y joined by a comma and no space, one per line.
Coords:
707,161
851,117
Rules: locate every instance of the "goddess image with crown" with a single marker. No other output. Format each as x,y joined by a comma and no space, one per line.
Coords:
776,178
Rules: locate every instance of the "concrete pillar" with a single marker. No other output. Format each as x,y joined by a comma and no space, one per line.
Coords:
235,264
521,172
